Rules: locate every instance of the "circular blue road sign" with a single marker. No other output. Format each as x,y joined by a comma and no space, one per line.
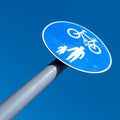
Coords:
77,47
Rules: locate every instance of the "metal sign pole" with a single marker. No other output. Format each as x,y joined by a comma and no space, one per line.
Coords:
16,102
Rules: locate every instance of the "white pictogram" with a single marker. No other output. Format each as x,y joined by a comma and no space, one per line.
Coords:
61,49
78,52
89,42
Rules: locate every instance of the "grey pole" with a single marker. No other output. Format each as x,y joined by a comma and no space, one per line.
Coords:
16,102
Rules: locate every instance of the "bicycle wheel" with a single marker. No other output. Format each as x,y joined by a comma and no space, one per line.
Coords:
73,33
94,49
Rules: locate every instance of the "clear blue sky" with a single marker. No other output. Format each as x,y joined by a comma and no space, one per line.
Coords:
73,95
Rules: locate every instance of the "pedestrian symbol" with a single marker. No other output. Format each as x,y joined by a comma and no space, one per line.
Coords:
78,52
61,49
77,47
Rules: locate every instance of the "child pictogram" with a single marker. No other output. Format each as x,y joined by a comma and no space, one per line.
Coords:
61,49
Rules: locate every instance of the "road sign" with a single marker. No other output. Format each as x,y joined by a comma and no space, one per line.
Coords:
77,47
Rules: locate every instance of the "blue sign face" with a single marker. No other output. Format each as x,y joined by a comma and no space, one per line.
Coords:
77,47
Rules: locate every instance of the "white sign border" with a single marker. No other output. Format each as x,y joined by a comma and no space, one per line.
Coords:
67,63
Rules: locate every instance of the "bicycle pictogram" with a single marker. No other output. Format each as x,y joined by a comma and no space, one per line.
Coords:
88,42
